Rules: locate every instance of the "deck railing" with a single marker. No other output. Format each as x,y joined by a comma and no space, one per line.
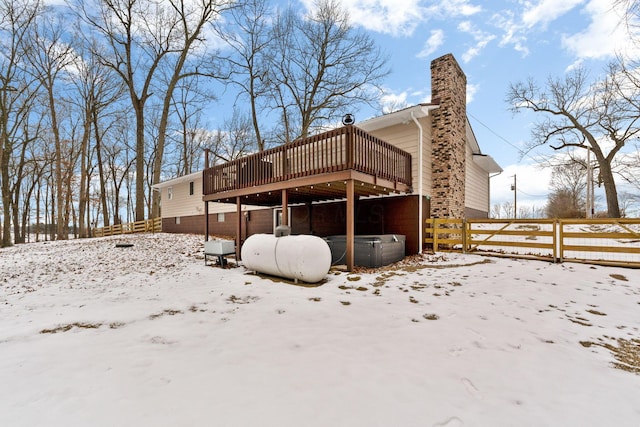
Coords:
341,149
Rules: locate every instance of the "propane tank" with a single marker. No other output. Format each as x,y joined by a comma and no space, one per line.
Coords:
302,257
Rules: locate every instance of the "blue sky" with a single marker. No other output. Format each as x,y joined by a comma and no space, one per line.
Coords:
496,42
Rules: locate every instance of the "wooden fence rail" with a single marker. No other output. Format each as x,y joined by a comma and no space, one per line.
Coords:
597,241
146,226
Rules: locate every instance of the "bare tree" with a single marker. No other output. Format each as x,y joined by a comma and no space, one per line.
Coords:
630,168
508,210
96,90
248,37
142,40
630,14
190,19
495,210
627,202
17,93
568,191
132,45
560,204
234,140
48,58
189,136
320,67
578,114
119,165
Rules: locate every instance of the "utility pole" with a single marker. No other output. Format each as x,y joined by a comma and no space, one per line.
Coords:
515,197
589,201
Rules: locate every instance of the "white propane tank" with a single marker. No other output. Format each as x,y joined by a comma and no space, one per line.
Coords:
306,258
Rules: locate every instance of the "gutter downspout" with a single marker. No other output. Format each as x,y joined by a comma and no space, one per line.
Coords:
420,183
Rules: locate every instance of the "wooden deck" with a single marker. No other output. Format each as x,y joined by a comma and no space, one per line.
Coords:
312,169
345,163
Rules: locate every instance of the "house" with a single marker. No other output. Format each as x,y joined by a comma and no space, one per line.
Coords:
385,175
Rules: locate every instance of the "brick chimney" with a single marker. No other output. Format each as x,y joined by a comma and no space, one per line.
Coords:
448,131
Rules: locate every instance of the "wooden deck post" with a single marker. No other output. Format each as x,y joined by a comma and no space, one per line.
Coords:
285,207
350,223
238,227
206,221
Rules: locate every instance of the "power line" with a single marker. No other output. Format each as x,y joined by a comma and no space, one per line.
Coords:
521,151
531,195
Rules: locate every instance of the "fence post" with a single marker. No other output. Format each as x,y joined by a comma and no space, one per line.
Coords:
435,235
464,235
558,245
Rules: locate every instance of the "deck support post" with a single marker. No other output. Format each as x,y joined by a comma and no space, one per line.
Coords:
350,223
238,227
285,207
206,221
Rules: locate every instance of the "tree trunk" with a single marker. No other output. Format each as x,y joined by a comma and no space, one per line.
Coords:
84,184
103,186
157,164
6,199
60,226
18,235
52,203
140,190
38,190
611,193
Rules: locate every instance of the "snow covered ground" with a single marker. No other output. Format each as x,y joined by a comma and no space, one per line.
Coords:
94,335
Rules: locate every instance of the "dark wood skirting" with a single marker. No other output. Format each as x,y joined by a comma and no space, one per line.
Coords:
388,215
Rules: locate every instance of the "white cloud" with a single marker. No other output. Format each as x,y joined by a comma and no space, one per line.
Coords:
604,37
546,11
401,17
532,185
459,8
435,40
472,89
513,34
575,65
395,17
390,102
535,14
482,39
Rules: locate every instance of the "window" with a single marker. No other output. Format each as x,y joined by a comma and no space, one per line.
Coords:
191,188
170,193
221,217
177,220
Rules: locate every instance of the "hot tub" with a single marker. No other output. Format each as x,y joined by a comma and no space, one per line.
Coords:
369,250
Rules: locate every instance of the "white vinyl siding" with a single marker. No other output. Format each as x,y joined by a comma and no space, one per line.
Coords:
476,184
405,137
181,203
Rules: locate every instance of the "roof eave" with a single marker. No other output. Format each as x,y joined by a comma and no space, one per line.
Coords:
487,163
178,180
397,117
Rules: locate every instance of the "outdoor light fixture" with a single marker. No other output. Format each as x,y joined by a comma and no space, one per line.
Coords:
348,119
